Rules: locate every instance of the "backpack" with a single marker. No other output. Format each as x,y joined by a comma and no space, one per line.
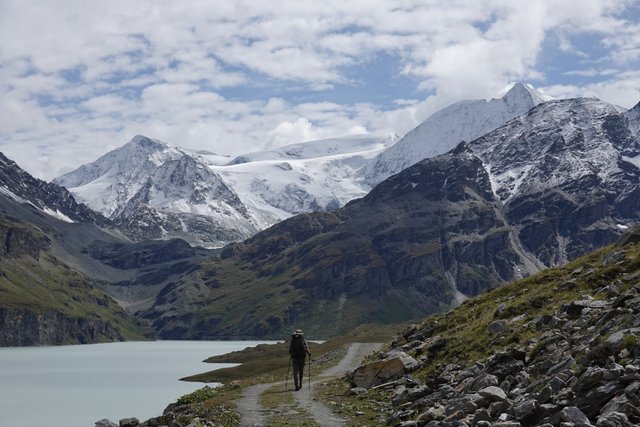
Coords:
297,347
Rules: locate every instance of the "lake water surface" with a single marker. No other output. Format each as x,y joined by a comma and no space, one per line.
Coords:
77,385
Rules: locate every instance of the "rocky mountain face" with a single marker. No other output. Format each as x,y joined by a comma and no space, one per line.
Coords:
558,349
445,129
152,190
566,174
49,198
544,188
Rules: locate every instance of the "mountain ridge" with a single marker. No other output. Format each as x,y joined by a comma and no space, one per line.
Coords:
460,223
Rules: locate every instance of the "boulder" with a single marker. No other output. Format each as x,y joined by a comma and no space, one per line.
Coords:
129,422
493,394
574,415
498,327
394,366
614,419
106,423
525,409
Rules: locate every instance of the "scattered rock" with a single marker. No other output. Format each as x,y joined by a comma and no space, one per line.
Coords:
493,394
129,422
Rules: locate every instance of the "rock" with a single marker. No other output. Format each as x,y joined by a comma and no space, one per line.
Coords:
563,365
394,366
574,415
466,405
106,423
481,381
435,413
615,341
431,345
129,422
483,424
525,409
589,378
493,394
614,419
481,415
357,391
419,392
622,404
506,363
591,400
498,327
545,394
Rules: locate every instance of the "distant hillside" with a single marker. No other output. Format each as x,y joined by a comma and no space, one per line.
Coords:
44,302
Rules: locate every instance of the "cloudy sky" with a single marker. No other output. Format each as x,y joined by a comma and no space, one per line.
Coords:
79,78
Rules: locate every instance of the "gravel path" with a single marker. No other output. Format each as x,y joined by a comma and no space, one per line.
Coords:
252,415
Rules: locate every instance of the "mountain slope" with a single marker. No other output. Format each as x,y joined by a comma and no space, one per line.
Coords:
443,130
44,302
565,173
561,346
152,190
49,198
305,177
54,270
544,188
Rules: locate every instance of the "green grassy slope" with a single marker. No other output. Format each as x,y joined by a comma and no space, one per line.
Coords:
33,282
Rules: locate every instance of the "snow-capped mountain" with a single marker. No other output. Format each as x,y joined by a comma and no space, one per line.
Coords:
567,174
305,177
51,199
544,188
153,190
444,129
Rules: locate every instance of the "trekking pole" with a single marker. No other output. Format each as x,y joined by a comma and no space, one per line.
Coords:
287,379
309,372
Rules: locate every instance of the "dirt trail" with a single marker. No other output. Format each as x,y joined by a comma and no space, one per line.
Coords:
252,415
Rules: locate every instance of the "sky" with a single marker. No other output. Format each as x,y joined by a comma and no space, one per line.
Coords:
80,78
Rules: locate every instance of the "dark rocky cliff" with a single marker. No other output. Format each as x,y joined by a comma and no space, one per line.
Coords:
23,327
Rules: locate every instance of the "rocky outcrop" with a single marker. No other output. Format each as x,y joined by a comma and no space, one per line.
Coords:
22,327
48,197
580,365
17,241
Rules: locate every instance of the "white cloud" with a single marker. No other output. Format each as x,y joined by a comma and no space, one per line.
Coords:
79,78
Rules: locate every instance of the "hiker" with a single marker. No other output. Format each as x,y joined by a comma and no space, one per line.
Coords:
298,351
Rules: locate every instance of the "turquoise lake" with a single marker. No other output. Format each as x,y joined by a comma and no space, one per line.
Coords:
77,385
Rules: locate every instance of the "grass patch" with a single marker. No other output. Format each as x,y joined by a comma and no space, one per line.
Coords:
270,362
359,410
466,327
214,404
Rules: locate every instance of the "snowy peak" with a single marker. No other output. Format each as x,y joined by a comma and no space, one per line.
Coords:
561,143
348,145
155,190
444,129
523,97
